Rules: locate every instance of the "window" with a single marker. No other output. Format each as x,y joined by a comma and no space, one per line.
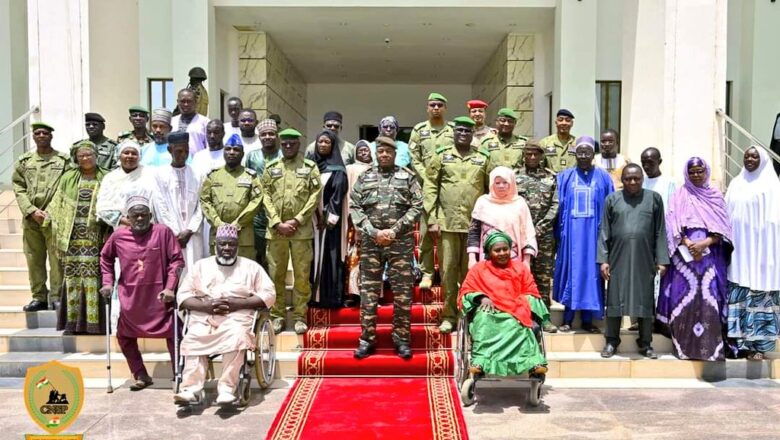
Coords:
161,94
608,105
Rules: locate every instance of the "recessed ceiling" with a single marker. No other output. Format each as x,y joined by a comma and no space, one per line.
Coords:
339,44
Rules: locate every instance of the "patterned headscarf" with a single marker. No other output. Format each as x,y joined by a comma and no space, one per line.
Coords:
389,120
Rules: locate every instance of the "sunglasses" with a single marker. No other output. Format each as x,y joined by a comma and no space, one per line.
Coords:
332,125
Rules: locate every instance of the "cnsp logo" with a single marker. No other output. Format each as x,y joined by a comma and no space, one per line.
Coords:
53,395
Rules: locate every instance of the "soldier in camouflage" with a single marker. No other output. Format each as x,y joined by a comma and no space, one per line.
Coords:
386,203
537,185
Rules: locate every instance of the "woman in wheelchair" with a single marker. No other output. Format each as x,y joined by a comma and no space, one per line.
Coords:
504,307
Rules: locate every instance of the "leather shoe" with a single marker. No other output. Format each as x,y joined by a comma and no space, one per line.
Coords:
608,351
648,353
364,350
403,351
35,306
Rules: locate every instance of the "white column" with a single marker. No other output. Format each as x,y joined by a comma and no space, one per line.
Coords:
574,83
58,41
673,85
193,41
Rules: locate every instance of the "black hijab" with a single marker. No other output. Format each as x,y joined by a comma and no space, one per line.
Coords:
333,161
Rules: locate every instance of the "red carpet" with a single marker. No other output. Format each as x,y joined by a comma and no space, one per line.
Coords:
380,397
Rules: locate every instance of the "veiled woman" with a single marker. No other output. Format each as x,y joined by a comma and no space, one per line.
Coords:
502,210
501,294
753,202
693,299
78,237
330,246
129,178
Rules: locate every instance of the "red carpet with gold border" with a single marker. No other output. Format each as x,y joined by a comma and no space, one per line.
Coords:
380,397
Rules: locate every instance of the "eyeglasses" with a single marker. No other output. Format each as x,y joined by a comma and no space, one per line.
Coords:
333,126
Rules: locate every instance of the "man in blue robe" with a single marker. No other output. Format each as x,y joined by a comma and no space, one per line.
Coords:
577,283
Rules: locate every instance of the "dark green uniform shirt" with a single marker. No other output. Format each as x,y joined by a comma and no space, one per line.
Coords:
107,153
36,178
559,156
508,153
292,191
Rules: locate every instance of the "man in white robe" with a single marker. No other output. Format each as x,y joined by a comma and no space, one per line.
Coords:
654,180
130,178
221,293
208,160
190,121
179,199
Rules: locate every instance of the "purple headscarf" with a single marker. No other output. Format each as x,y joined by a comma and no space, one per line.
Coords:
692,206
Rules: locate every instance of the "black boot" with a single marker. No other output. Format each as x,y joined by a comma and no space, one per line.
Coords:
403,351
364,350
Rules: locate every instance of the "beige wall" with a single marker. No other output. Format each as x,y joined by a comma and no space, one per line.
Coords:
113,66
269,83
507,80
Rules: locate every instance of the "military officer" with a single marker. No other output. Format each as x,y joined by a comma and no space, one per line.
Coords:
457,176
36,177
257,160
197,76
292,191
477,112
386,202
232,194
505,148
139,119
559,147
425,138
538,186
108,152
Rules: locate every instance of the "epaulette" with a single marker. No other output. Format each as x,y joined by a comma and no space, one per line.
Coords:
483,152
451,124
310,162
124,134
522,138
25,156
442,148
409,170
420,125
250,171
273,162
551,171
213,171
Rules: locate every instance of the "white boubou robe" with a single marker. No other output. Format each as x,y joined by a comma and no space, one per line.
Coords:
179,207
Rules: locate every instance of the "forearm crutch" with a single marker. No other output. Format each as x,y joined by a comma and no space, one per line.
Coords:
110,388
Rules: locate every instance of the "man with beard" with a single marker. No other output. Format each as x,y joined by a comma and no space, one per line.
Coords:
150,260
156,154
221,293
108,152
257,161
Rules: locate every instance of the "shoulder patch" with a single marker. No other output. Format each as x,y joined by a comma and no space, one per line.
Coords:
250,171
442,148
450,123
273,162
420,125
370,176
310,163
213,171
409,170
401,174
483,152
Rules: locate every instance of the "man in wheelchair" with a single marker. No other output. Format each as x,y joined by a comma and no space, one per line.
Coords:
221,294
504,307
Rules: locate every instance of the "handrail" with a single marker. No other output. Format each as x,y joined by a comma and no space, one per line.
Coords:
20,119
747,134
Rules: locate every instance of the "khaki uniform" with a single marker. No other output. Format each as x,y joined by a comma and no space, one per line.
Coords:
453,185
107,153
35,181
129,135
292,191
386,199
481,134
559,156
256,160
423,142
202,107
507,153
232,197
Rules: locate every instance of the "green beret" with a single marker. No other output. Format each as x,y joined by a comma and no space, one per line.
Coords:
37,125
137,109
437,97
290,133
464,121
508,112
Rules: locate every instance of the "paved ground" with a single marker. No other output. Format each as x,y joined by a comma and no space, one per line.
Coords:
731,409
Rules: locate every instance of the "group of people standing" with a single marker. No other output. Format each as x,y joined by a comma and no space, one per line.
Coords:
344,217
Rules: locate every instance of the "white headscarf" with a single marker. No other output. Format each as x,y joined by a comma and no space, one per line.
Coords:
753,203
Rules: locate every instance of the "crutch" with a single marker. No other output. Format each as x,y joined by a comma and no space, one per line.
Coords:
110,388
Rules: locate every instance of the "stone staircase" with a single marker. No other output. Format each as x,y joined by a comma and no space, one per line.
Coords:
28,339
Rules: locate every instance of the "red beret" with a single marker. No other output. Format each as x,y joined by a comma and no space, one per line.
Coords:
476,103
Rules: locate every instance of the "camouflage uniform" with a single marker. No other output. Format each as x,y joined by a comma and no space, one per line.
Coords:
540,190
129,135
452,187
558,156
423,142
504,153
107,153
390,199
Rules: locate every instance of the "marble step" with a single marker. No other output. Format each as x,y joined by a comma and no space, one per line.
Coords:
10,241
14,275
14,295
10,226
12,258
13,317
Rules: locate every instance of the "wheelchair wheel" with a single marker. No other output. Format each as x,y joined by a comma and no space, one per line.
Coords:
462,353
535,392
265,353
244,392
467,391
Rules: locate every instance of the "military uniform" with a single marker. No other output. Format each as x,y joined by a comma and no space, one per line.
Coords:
129,135
107,153
423,142
386,199
256,160
202,96
232,196
481,134
292,191
559,156
539,188
35,179
507,153
452,186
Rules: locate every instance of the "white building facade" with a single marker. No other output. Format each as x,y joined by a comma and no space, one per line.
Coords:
655,70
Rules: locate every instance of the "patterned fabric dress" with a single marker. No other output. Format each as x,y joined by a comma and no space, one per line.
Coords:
81,264
754,318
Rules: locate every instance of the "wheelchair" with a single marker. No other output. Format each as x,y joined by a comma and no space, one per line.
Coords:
262,359
467,379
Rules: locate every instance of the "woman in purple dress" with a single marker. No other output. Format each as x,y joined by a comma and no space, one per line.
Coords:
693,302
